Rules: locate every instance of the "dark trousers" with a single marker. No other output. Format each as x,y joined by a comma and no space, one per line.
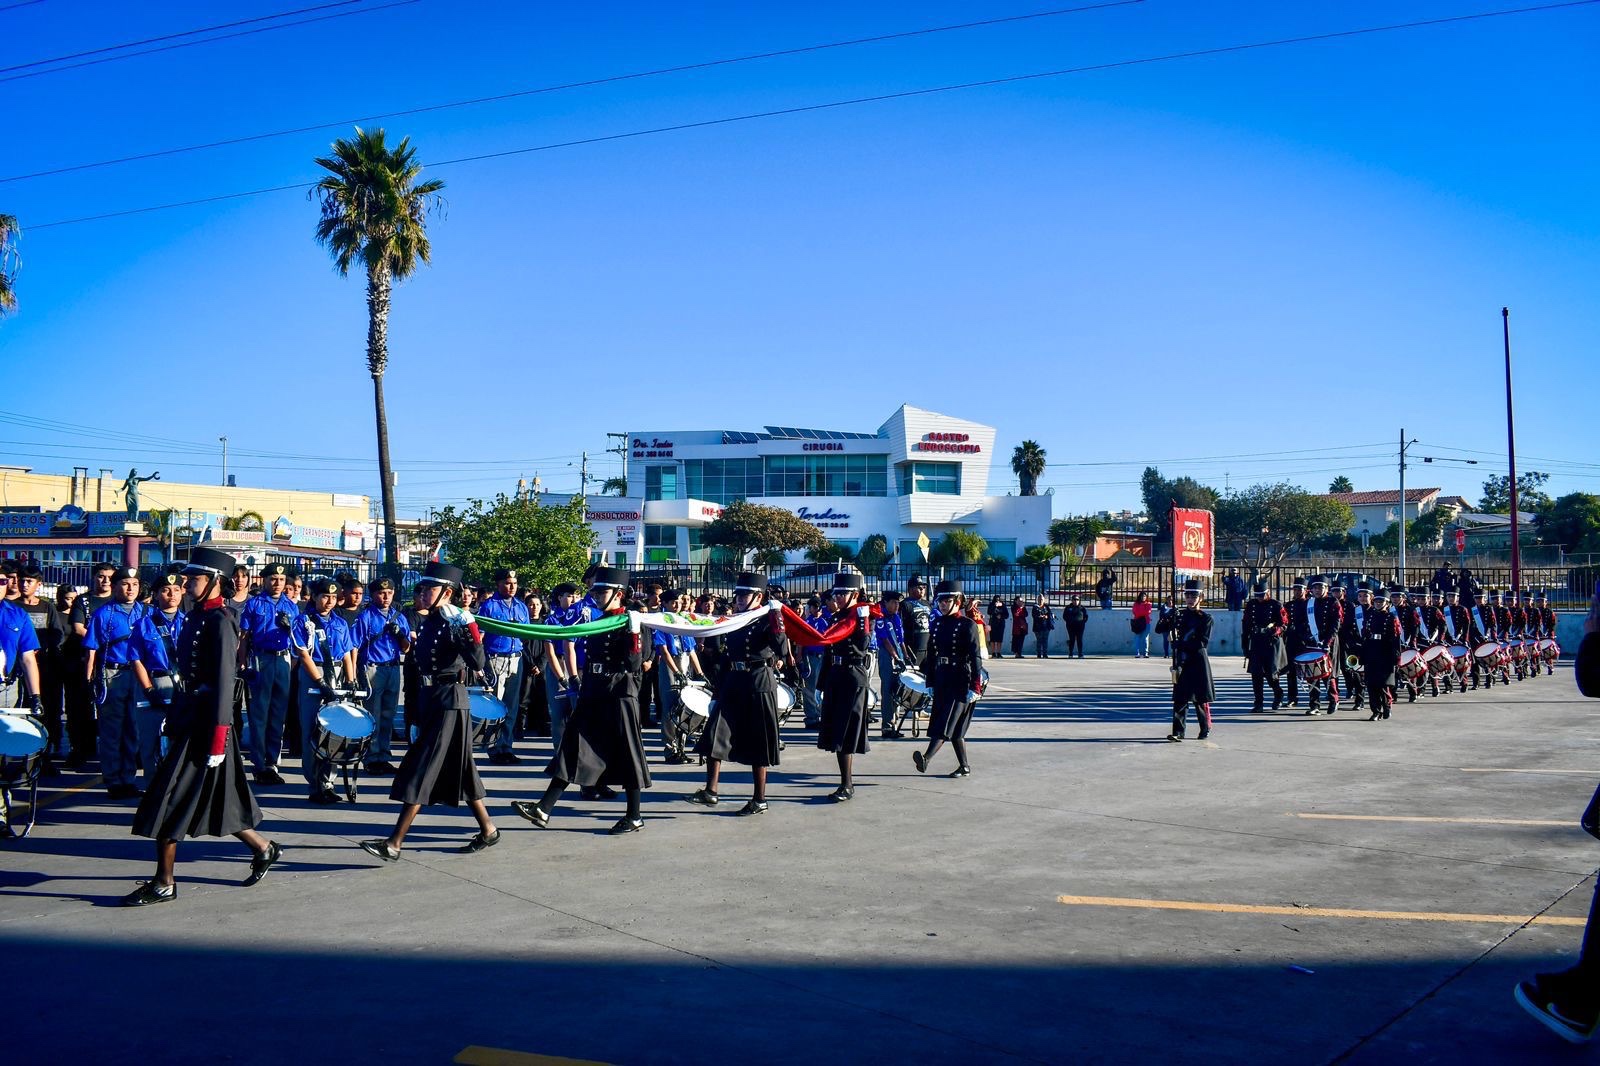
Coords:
1016,642
50,693
1180,713
1258,688
1074,641
1041,644
82,733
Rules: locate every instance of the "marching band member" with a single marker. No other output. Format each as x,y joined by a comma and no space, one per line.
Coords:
603,744
200,787
1431,631
1351,633
846,720
437,767
1316,622
123,650
504,658
1291,637
1190,630
675,659
1379,639
382,636
1406,613
954,670
165,621
1263,623
265,621
324,656
1521,629
744,722
891,636
1547,626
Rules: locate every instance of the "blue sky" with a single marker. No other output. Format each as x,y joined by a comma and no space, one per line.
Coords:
1278,256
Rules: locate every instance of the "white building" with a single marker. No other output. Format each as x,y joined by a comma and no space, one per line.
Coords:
919,473
1375,512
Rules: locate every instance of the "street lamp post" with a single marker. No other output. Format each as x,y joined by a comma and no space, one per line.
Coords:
224,441
1511,455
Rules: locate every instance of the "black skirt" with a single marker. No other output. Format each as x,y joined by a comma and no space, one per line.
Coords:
186,798
846,721
744,723
438,767
951,712
1194,681
603,743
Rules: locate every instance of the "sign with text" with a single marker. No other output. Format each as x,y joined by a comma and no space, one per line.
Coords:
654,448
960,443
1193,546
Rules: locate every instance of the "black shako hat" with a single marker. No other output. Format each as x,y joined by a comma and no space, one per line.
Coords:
608,577
844,581
1260,587
947,588
1299,583
441,574
208,561
1191,586
750,581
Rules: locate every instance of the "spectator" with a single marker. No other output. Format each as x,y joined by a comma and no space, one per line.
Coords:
1444,579
1104,587
1167,608
1076,616
1044,620
1140,624
811,660
1234,589
1469,588
1019,626
997,627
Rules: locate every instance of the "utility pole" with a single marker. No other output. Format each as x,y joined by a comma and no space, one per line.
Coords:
1511,454
583,475
1404,444
621,449
224,441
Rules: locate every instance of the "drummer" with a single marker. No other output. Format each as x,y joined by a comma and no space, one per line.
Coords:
846,718
325,657
1547,626
200,788
1291,637
1431,632
19,659
1405,613
676,663
954,671
437,767
1191,662
1316,623
744,721
602,745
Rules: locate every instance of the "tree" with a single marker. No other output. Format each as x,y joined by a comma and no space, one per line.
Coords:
1027,462
830,552
245,520
545,544
1160,494
1530,494
1069,533
1422,533
752,527
9,231
614,486
956,547
874,552
373,211
1573,522
1264,523
1341,484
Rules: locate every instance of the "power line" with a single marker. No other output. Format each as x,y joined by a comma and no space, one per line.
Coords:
23,3
855,101
588,83
208,40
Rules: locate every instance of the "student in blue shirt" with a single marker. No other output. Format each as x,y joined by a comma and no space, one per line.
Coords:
811,661
889,632
117,640
324,658
503,655
265,623
382,636
564,659
676,662
19,654
163,626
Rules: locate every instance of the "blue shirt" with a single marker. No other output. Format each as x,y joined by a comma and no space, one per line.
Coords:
122,633
502,609
674,644
888,632
161,638
584,610
820,622
17,636
331,644
378,647
259,621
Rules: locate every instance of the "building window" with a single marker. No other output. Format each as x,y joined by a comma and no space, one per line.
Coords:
660,543
661,482
1003,549
722,480
827,475
941,478
908,552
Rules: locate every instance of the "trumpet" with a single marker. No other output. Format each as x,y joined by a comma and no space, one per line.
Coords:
1352,663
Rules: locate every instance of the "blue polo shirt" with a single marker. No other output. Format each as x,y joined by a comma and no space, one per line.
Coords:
377,647
331,645
888,632
122,633
582,611
259,621
674,644
502,609
162,635
17,636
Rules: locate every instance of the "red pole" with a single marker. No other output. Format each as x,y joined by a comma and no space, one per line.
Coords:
1511,452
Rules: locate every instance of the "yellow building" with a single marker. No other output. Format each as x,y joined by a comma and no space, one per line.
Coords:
21,488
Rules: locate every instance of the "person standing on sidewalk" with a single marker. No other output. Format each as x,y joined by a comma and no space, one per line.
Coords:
1076,617
1044,620
1140,624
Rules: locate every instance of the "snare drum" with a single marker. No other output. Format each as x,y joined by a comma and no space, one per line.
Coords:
1487,653
1518,652
1313,666
694,707
910,689
22,745
343,732
1549,650
1411,665
1462,657
1437,660
487,714
785,697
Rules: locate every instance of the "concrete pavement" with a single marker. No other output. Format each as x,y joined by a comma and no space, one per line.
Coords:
921,921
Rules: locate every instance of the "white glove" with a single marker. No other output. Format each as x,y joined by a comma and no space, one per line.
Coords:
215,761
774,607
863,611
456,616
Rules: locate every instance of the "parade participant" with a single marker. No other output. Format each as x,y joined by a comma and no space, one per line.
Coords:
82,730
1263,624
352,594
1291,638
916,619
561,664
1191,663
1405,613
437,767
50,628
1547,626
602,744
118,642
744,722
19,662
1351,675
410,680
812,663
649,706
1044,621
382,636
1377,641
845,717
1497,620
1076,617
200,788
676,663
1351,635
955,674
505,661
1517,608
265,624
1431,632
535,718
1480,629
1316,622
890,634
166,619
325,658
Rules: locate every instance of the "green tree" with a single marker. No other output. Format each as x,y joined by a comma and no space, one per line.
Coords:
373,213
1424,533
1341,484
1038,555
1530,493
545,543
1069,533
1160,494
956,547
1264,523
614,486
245,520
752,527
1573,522
830,552
873,554
1027,462
9,232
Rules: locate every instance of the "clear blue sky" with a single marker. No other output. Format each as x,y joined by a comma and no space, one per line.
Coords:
1281,255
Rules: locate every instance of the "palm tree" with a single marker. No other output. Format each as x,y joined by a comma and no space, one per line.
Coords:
8,270
1027,462
1341,484
373,212
614,486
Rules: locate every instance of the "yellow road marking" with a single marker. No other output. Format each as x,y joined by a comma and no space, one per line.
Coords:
496,1056
1420,818
1506,770
59,796
1314,912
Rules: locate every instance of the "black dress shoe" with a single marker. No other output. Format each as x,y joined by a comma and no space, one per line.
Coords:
961,771
626,825
262,863
601,792
327,797
380,849
704,796
479,842
380,769
532,812
842,794
75,761
676,759
921,761
1204,734
149,893
753,806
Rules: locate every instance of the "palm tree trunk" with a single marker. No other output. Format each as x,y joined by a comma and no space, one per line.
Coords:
377,361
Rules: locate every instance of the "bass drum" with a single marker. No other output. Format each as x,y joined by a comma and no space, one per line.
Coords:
694,707
22,745
488,716
1411,665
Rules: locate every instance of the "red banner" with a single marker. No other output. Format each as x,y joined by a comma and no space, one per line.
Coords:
1193,545
801,632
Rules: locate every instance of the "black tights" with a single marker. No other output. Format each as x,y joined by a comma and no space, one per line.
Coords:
958,745
557,786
